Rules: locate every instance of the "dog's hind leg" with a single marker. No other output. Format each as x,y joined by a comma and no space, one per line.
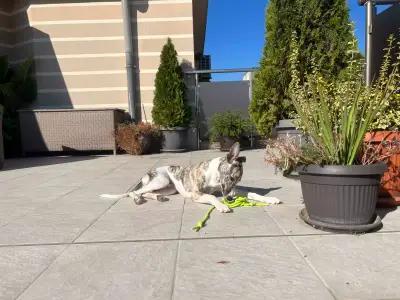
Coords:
160,195
150,188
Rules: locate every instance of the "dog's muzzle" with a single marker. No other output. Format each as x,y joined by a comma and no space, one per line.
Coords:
241,159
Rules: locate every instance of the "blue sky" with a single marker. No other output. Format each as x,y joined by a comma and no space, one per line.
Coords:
235,33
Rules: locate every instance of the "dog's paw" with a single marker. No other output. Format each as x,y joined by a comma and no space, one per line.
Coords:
273,200
138,199
162,198
222,208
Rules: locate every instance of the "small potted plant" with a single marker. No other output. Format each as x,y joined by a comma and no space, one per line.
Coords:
138,139
339,191
170,110
228,128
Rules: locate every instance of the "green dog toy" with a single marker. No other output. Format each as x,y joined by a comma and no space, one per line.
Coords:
238,201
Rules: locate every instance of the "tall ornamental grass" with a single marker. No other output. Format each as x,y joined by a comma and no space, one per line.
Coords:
337,113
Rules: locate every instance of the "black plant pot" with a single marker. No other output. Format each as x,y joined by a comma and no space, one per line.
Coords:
341,198
145,141
174,139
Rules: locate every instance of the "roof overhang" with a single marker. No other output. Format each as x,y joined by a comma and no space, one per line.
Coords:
379,2
200,9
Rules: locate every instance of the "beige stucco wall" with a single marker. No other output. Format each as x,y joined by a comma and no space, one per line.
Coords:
79,49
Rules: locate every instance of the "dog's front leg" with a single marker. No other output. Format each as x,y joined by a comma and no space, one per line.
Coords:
210,199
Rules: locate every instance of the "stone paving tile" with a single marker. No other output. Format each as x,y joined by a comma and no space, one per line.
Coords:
109,271
46,226
288,192
355,266
20,203
72,179
30,181
130,222
33,193
10,209
243,221
90,193
6,176
287,218
21,265
390,219
262,268
77,208
110,185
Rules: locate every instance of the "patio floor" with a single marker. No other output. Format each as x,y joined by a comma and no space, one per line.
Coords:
58,240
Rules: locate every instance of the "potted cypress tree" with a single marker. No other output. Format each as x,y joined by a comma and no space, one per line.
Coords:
340,187
171,111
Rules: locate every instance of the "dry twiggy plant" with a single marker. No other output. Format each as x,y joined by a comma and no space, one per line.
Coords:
373,152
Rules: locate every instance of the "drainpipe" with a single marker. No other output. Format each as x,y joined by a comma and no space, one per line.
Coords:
370,14
130,66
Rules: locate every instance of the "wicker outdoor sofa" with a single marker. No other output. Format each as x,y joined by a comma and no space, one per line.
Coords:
44,130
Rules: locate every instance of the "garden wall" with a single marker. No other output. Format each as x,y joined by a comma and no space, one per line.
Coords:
385,23
220,97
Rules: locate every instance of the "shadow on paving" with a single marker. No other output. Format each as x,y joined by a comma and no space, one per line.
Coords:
382,212
30,162
260,191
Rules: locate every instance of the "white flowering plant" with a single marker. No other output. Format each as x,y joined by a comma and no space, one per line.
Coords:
337,112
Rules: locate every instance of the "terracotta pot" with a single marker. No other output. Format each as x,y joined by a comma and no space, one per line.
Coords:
390,183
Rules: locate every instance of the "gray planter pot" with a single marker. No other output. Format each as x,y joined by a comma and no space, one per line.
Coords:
1,139
341,197
287,130
175,139
226,143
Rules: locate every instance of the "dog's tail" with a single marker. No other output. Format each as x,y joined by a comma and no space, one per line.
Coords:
114,196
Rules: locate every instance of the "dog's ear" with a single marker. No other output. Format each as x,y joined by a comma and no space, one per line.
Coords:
233,152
